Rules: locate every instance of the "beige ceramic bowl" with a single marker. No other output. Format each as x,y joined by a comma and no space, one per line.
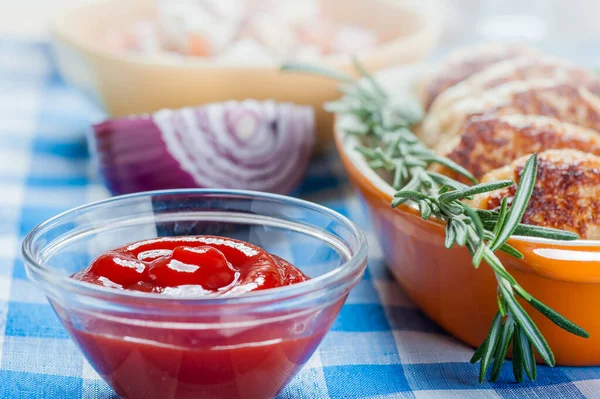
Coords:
130,84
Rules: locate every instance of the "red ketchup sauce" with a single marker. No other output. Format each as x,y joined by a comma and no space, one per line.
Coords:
177,360
191,265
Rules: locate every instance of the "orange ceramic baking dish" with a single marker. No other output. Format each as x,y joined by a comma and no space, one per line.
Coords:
462,299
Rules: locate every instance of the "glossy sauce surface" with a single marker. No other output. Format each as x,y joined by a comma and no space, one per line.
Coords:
191,266
183,354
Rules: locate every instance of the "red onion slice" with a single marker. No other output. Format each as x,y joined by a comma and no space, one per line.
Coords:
251,145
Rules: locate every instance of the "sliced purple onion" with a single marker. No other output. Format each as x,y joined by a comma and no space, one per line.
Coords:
250,145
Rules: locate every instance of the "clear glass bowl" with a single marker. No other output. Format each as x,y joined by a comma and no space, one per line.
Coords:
154,346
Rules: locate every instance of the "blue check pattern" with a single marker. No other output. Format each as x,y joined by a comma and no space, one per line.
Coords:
380,346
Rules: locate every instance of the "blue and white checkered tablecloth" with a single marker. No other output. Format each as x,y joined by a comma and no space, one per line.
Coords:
381,346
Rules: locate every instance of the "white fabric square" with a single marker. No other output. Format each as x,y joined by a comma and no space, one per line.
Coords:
5,286
343,348
87,372
21,127
363,292
420,347
308,383
315,361
11,194
56,166
96,192
375,250
51,197
395,395
589,388
23,61
14,163
3,314
391,294
23,291
38,355
10,246
22,101
457,394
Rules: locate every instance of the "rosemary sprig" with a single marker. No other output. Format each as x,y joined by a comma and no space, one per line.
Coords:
389,146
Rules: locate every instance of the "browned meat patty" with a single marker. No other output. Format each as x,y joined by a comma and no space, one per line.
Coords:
527,67
568,102
465,62
490,142
566,194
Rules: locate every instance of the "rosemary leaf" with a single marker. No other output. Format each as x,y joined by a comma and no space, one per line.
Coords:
508,330
413,184
354,125
512,251
376,164
377,88
544,232
526,230
366,151
479,351
425,209
398,180
528,357
396,202
487,215
477,189
453,208
501,217
497,266
445,180
411,195
490,348
519,204
453,166
500,302
509,249
558,319
450,235
517,353
528,326
407,113
367,99
345,107
478,255
472,215
472,249
315,70
461,232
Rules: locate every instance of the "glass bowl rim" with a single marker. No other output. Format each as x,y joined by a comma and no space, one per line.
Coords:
352,266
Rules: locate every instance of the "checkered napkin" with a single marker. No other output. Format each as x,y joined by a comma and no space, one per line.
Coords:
380,346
